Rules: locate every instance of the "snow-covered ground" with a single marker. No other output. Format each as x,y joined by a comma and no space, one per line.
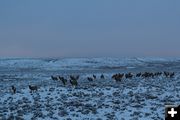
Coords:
131,99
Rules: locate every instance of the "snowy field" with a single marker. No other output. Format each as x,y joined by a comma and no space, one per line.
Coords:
136,98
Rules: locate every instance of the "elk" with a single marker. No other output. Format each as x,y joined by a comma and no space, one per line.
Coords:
64,81
138,74
102,76
118,77
90,79
54,77
172,75
33,88
73,80
129,75
94,76
13,89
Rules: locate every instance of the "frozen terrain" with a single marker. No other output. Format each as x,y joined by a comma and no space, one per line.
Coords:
137,98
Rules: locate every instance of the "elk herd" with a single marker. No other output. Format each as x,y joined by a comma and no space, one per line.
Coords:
73,79
119,76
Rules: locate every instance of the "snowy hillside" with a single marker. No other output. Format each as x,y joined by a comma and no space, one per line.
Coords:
97,98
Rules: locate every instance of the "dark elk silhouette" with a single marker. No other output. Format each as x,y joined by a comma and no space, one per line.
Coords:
171,75
90,79
138,74
54,77
73,80
129,75
94,76
33,88
102,76
117,77
147,75
13,89
64,81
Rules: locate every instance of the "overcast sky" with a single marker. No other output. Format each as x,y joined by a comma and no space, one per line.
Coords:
89,28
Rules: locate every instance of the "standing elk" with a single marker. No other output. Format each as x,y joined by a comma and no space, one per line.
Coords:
33,88
13,89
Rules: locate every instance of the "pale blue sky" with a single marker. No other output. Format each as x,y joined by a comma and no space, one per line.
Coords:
89,28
